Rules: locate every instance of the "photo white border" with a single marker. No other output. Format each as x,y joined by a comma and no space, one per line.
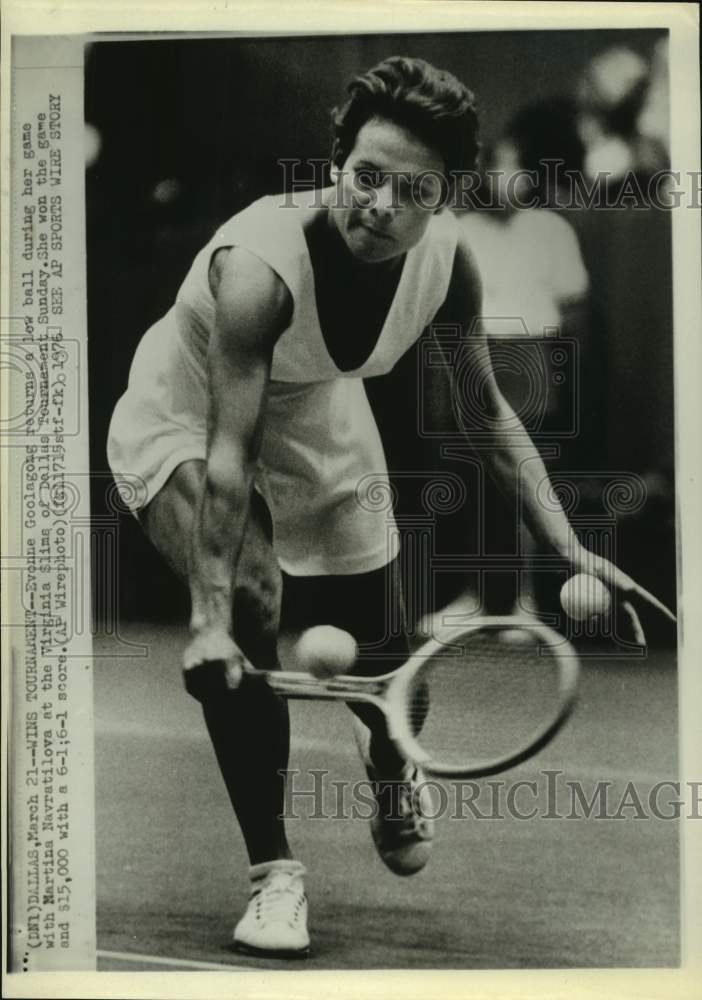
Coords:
356,16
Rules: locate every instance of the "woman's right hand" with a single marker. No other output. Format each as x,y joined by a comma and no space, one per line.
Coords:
213,665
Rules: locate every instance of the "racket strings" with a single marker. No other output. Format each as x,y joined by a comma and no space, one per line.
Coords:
419,708
485,697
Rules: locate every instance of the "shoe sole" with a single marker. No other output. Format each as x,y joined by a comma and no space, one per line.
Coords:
396,864
250,949
399,870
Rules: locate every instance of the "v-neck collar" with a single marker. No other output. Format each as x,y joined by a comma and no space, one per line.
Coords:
382,336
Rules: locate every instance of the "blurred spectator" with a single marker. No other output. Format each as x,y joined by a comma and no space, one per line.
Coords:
654,119
529,258
538,136
533,280
623,114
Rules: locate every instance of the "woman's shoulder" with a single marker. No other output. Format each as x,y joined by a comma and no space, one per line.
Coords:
250,295
270,229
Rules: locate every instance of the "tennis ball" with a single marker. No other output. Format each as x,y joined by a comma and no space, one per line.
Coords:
325,651
584,597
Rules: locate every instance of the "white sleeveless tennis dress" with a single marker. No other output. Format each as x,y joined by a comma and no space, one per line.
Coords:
321,447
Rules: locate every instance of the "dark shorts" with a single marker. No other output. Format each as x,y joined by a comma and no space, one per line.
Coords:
368,605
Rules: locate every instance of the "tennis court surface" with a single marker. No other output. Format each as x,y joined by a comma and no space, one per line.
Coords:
500,892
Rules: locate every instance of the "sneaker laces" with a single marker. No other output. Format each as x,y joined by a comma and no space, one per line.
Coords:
409,801
405,797
279,898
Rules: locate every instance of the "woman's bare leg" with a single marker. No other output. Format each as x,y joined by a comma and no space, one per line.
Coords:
249,728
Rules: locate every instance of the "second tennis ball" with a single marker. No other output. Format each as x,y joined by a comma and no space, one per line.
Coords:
325,651
584,597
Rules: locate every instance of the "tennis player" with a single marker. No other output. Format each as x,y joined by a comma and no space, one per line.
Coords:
247,420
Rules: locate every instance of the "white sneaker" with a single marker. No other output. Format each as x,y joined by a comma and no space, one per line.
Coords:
275,922
403,826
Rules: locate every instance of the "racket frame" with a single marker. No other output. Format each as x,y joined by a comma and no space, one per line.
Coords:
391,693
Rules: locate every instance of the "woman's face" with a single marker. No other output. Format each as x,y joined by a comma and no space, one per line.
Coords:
386,192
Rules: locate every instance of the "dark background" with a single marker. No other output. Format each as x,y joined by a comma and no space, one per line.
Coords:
212,117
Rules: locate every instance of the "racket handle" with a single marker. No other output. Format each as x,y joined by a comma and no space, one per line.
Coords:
343,687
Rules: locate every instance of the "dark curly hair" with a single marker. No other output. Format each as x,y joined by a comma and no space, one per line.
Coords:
429,102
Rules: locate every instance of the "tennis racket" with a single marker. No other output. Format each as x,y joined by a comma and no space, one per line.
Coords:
470,702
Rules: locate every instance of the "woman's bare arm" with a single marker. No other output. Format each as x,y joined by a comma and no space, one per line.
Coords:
253,308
